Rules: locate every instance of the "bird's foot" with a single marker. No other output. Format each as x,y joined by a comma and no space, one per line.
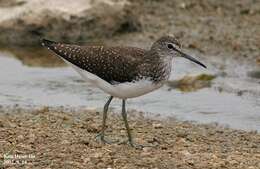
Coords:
135,145
101,137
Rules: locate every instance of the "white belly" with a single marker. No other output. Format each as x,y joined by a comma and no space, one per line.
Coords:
121,90
135,89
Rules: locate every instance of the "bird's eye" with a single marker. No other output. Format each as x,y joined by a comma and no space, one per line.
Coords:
170,46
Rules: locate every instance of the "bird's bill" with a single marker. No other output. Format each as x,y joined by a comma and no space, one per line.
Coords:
191,59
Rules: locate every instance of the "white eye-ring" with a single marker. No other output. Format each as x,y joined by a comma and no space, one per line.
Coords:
173,46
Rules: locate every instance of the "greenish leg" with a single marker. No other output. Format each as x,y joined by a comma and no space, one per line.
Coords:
101,135
130,139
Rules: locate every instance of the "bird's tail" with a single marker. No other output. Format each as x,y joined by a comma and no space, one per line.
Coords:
48,43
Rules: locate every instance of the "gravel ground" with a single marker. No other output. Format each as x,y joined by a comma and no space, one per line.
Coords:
56,139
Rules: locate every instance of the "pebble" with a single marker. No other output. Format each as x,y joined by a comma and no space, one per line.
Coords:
233,162
32,138
147,149
65,142
20,137
157,125
86,160
186,153
251,167
98,155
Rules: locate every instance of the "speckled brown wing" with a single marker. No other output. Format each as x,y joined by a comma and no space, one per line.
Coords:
112,64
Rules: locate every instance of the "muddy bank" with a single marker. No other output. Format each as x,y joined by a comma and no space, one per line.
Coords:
26,22
208,27
50,136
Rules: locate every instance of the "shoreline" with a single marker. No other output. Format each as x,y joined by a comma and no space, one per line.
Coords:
50,136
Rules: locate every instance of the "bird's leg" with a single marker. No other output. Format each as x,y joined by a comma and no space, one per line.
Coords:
130,139
101,135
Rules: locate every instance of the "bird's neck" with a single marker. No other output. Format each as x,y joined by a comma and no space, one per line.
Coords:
160,66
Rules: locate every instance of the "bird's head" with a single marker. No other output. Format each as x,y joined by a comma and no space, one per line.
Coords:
169,47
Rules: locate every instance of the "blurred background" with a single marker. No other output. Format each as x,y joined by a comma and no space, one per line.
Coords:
223,34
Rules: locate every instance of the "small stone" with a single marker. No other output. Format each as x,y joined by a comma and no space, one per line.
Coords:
251,167
191,162
1,124
98,155
31,138
157,125
183,5
214,156
20,137
86,160
65,142
258,61
186,154
233,162
146,154
147,149
182,141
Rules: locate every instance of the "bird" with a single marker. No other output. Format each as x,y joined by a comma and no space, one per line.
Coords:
123,72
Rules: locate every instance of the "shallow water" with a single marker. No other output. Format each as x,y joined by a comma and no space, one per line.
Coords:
233,99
